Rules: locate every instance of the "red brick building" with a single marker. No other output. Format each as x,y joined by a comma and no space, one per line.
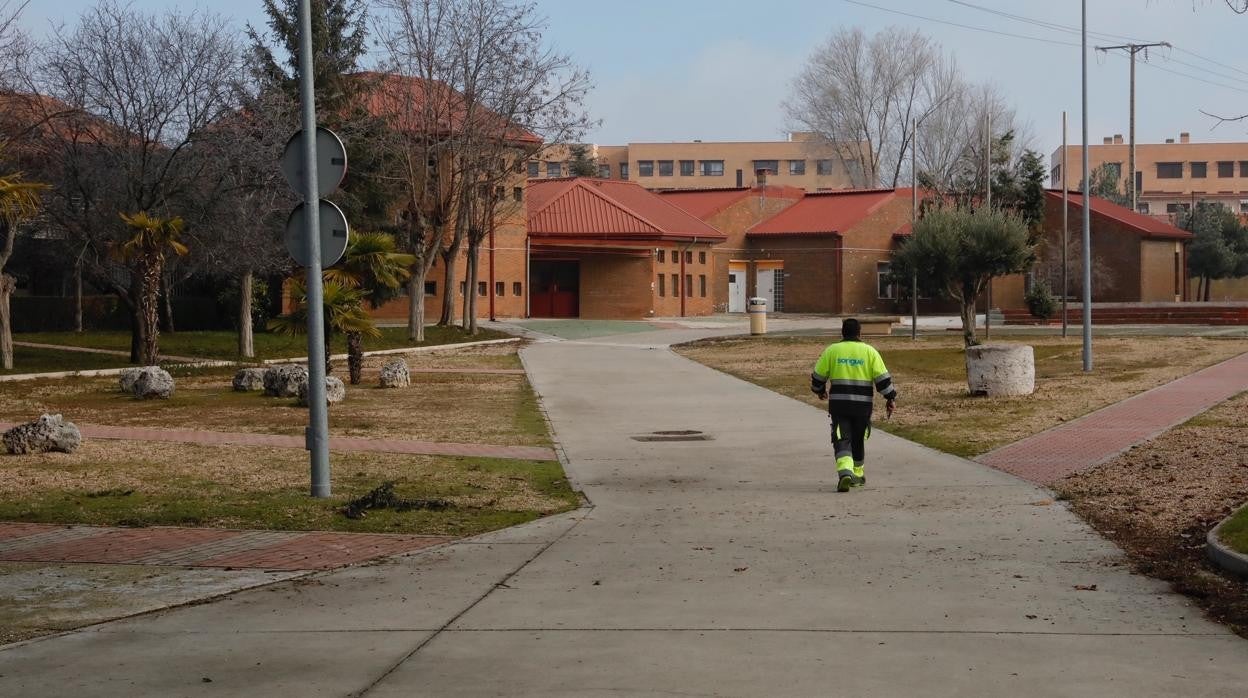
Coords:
611,249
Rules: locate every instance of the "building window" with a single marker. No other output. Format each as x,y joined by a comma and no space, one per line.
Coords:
604,171
885,290
645,168
686,168
517,193
702,285
797,167
623,170
1243,168
1169,170
823,167
661,255
1226,168
1243,205
499,193
662,286
702,257
554,169
482,288
689,285
431,288
1200,169
770,166
712,168
533,169
665,168
675,256
517,288
675,285
1142,207
688,257
500,288
1175,208
463,287
1055,176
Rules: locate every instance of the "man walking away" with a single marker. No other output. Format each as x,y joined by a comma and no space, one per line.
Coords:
845,375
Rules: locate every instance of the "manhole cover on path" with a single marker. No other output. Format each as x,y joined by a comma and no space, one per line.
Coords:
674,435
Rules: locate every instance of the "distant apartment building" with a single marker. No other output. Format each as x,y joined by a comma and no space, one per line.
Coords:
804,161
1169,176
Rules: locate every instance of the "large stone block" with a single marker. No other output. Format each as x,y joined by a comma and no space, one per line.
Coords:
128,378
248,379
48,433
153,382
284,380
335,391
395,374
999,370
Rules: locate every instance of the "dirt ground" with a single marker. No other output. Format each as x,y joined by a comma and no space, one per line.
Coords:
935,408
1159,499
475,406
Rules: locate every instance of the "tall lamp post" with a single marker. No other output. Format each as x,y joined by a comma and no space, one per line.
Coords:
1087,209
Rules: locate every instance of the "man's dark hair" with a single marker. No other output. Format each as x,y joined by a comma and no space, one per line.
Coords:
851,329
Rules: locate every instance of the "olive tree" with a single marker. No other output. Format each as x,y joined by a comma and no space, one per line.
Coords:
955,252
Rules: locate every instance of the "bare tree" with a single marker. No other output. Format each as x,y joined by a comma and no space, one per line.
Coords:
866,92
135,93
952,142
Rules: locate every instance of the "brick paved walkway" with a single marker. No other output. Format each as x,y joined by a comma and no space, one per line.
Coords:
1095,438
336,443
200,547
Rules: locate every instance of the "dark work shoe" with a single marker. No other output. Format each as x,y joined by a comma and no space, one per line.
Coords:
845,482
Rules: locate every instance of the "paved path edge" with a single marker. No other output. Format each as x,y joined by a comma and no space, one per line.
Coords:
1221,554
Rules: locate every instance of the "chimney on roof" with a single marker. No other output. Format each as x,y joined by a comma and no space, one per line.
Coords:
1169,140
1117,139
1107,141
1185,137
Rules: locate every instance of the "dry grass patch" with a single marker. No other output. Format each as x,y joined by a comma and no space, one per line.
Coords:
935,408
136,483
475,406
1159,499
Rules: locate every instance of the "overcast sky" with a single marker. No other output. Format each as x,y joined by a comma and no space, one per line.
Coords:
674,70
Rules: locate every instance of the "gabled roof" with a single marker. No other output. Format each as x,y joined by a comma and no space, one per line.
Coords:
583,207
1147,226
705,203
825,213
27,118
419,104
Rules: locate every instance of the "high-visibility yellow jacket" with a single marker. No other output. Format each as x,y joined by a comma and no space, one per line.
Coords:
848,371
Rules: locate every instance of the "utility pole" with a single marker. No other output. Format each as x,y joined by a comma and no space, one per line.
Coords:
914,217
1131,50
1065,225
988,201
1087,207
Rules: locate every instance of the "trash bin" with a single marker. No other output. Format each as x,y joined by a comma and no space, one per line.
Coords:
757,310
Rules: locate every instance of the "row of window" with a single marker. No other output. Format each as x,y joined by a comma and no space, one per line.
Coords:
1144,207
662,285
500,288
661,256
688,168
1200,170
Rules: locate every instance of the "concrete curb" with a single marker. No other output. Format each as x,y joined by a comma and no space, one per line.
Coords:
1222,555
95,373
401,350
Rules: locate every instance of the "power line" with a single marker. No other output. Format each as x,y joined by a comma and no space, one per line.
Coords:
962,26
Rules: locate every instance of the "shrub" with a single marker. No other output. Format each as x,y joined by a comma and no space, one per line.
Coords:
1040,301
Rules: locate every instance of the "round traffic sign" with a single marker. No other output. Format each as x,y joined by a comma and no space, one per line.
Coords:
334,232
331,161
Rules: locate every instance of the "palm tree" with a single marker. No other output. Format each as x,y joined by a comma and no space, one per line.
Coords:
152,238
19,201
343,308
372,264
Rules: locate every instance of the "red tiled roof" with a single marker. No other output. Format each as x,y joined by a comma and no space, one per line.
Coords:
417,103
26,118
824,213
600,208
1145,225
705,203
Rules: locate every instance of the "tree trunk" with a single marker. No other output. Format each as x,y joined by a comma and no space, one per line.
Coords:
78,297
7,284
968,322
470,292
1208,287
474,275
355,356
448,296
329,365
416,304
150,312
136,318
246,336
167,305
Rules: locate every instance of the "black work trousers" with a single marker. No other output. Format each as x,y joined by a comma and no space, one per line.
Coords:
849,439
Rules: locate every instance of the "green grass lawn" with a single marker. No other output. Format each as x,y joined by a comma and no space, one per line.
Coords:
224,345
1235,532
27,360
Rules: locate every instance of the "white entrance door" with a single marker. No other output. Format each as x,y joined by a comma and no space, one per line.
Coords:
765,286
736,289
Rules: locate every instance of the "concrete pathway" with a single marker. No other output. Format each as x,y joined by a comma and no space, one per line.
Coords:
336,443
726,566
1095,438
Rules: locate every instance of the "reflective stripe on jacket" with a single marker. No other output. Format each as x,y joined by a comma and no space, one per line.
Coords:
849,370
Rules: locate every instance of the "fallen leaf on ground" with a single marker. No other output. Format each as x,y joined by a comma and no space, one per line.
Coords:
1085,587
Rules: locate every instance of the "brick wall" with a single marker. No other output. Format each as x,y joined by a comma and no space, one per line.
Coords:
734,221
615,286
1157,270
702,262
